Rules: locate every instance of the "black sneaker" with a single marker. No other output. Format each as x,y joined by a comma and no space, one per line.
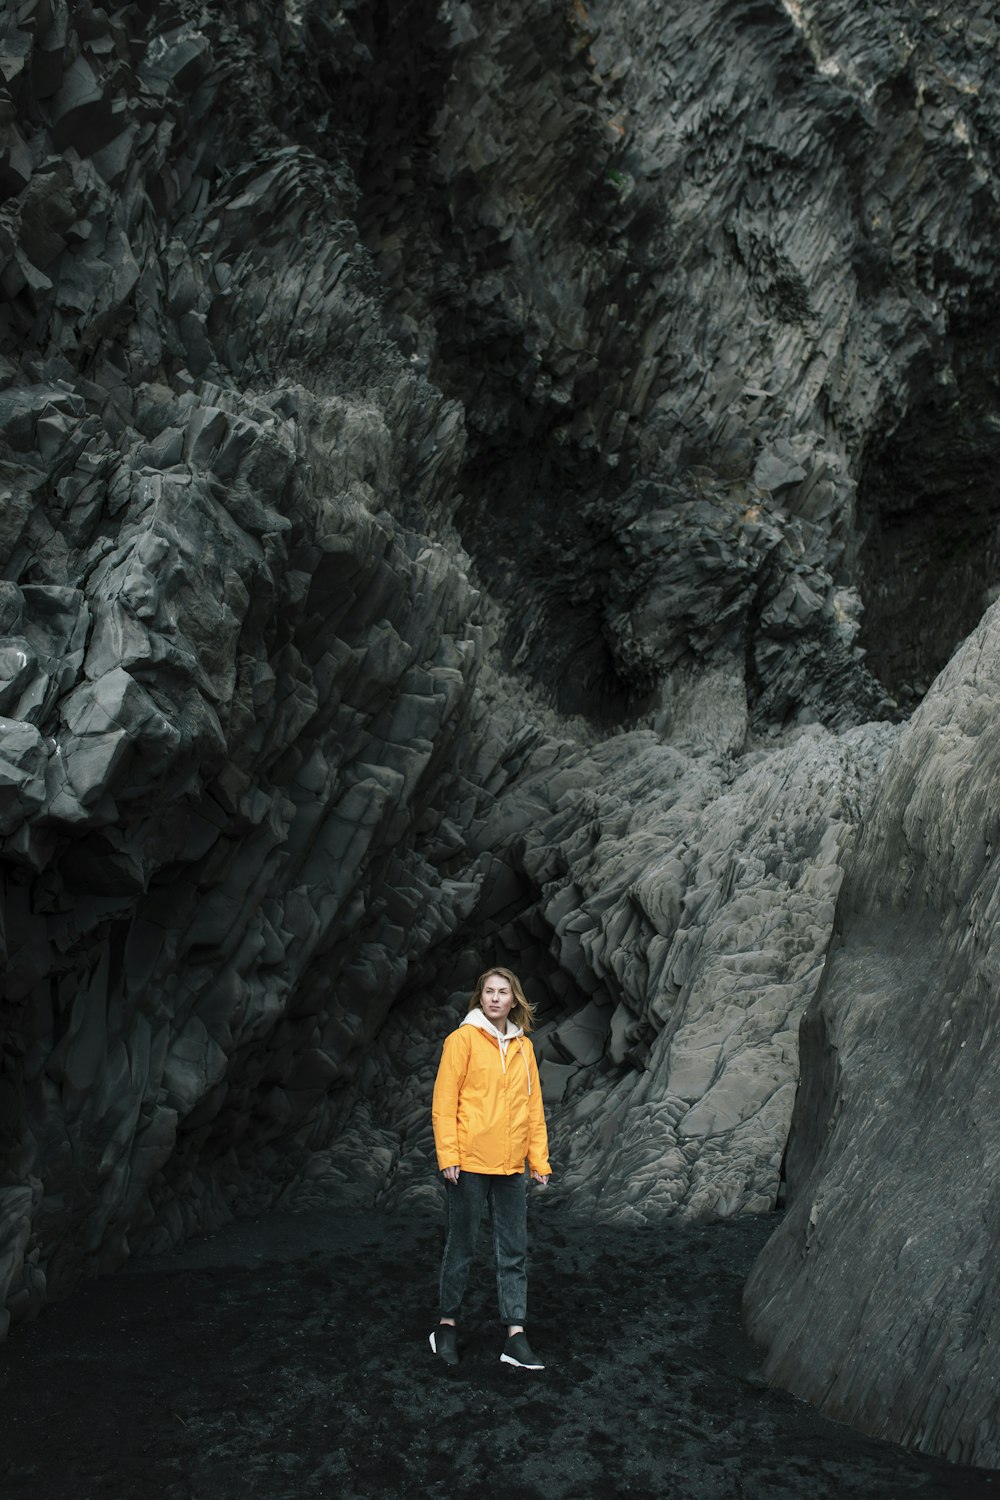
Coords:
517,1351
444,1341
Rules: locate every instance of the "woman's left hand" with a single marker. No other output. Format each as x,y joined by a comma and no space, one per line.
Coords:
539,1178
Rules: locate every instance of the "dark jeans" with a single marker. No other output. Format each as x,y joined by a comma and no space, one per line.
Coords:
509,1214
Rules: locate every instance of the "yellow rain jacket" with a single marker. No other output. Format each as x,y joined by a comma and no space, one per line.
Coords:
487,1108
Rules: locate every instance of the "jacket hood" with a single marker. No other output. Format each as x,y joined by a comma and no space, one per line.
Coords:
476,1018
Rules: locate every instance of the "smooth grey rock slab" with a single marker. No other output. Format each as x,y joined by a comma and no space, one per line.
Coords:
875,1298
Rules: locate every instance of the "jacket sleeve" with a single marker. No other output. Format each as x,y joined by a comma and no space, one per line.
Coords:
447,1086
538,1136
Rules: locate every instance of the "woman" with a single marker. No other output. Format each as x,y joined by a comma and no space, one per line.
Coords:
488,1119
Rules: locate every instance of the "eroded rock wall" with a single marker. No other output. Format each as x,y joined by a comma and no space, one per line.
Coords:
876,1298
672,915
234,668
701,275
447,463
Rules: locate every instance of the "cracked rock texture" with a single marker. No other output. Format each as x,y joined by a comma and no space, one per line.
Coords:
478,488
674,916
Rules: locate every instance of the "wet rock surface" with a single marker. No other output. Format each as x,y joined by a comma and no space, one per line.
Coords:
451,472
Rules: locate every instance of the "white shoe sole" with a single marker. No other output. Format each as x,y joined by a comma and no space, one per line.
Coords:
505,1359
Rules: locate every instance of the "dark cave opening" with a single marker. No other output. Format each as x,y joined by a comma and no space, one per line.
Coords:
511,926
929,511
544,548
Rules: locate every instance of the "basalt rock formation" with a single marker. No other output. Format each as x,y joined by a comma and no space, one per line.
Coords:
475,488
877,1296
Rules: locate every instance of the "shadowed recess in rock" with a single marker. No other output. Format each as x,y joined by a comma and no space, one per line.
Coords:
929,507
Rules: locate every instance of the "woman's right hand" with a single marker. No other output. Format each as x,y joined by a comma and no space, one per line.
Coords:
451,1173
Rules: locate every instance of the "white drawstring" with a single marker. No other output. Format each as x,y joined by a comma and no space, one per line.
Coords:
526,1068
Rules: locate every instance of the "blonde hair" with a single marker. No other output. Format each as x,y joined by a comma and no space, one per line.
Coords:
522,1012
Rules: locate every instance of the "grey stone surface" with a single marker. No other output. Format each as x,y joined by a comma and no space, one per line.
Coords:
451,472
673,915
232,664
692,349
875,1298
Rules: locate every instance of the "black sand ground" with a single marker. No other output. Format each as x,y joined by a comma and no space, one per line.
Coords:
288,1358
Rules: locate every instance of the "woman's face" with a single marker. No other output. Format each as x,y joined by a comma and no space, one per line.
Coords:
496,1000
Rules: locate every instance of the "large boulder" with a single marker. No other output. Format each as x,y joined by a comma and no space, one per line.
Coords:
876,1298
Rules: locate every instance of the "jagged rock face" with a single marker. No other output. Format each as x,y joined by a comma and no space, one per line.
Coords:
877,1296
233,669
446,465
763,266
688,908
